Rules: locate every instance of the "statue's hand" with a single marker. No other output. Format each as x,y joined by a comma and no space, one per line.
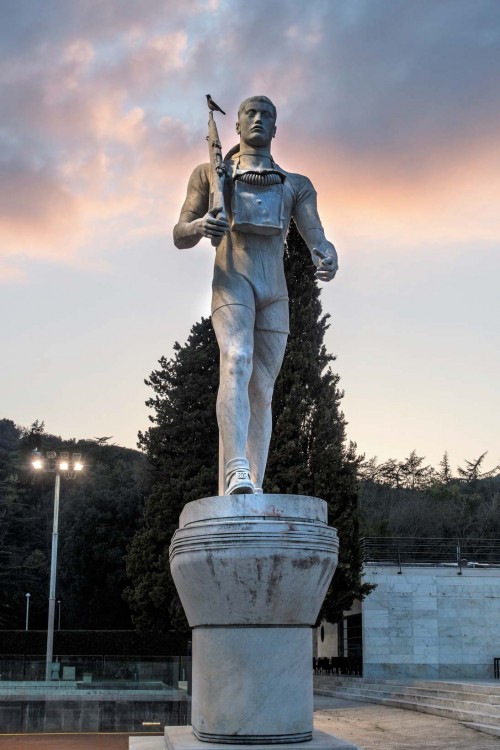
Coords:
212,226
327,264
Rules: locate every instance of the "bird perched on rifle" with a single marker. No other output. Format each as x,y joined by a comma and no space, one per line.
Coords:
212,105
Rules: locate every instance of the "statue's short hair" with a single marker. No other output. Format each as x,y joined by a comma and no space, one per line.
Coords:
256,99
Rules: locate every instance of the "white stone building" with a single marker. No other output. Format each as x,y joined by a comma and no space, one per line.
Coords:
423,622
435,622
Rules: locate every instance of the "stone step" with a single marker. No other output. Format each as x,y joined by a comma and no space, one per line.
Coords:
479,693
462,687
441,697
470,695
459,687
486,728
460,714
450,700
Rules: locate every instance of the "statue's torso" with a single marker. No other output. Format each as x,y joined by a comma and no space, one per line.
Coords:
252,260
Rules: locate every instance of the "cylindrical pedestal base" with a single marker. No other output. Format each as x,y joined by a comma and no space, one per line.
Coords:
262,678
252,572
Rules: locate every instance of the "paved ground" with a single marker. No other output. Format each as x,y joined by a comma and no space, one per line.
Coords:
64,742
374,727
370,726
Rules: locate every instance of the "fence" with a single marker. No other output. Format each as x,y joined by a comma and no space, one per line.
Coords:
461,553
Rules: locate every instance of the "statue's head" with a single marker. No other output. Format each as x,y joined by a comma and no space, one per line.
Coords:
256,121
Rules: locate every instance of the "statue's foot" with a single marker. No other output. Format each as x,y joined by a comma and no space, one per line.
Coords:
238,480
239,483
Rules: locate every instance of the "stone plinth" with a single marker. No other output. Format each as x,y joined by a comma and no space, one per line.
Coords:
252,572
182,738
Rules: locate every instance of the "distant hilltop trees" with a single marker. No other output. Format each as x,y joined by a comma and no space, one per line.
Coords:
411,498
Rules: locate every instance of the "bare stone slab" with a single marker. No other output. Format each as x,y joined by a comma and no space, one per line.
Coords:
182,738
146,743
293,507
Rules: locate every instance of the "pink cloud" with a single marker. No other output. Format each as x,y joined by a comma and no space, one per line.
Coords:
38,215
11,274
89,156
99,133
446,198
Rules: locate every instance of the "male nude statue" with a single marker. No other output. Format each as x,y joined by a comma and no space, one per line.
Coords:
249,294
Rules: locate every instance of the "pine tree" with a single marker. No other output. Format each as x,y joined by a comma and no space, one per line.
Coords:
472,471
445,473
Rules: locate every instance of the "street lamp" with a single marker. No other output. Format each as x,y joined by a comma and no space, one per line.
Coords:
27,611
70,467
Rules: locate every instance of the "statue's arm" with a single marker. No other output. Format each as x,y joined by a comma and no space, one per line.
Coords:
305,214
187,232
196,221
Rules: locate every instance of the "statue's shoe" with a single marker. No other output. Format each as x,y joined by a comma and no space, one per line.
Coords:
239,483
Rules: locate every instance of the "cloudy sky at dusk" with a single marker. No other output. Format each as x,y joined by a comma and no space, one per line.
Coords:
391,107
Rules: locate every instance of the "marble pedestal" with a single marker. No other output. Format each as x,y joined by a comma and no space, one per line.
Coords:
252,572
182,738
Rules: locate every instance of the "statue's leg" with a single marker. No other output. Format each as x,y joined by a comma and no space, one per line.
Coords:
269,349
234,328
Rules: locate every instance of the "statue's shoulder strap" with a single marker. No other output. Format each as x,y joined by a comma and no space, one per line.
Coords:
232,152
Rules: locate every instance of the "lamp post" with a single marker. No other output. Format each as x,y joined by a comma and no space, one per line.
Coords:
27,611
59,614
70,468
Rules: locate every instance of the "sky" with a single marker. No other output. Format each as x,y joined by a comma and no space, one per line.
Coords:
390,107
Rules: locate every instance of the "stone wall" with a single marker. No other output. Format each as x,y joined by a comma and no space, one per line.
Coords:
92,712
431,623
329,645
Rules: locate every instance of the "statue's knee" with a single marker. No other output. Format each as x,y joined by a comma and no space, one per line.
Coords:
238,362
262,393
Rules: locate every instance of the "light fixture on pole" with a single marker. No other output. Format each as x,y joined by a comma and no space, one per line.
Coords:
70,467
27,611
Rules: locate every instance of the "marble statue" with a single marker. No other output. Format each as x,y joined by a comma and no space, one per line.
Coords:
249,294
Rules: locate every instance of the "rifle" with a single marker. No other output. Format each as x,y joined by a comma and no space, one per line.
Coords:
217,173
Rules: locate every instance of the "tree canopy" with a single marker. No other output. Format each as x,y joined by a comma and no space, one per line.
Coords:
411,498
182,445
99,512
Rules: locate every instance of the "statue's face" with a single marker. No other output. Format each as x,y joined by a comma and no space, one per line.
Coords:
256,123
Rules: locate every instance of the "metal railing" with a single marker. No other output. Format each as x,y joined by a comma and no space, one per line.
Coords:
461,553
128,671
94,693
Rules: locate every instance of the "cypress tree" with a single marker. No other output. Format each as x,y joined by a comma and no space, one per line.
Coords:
309,453
182,446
